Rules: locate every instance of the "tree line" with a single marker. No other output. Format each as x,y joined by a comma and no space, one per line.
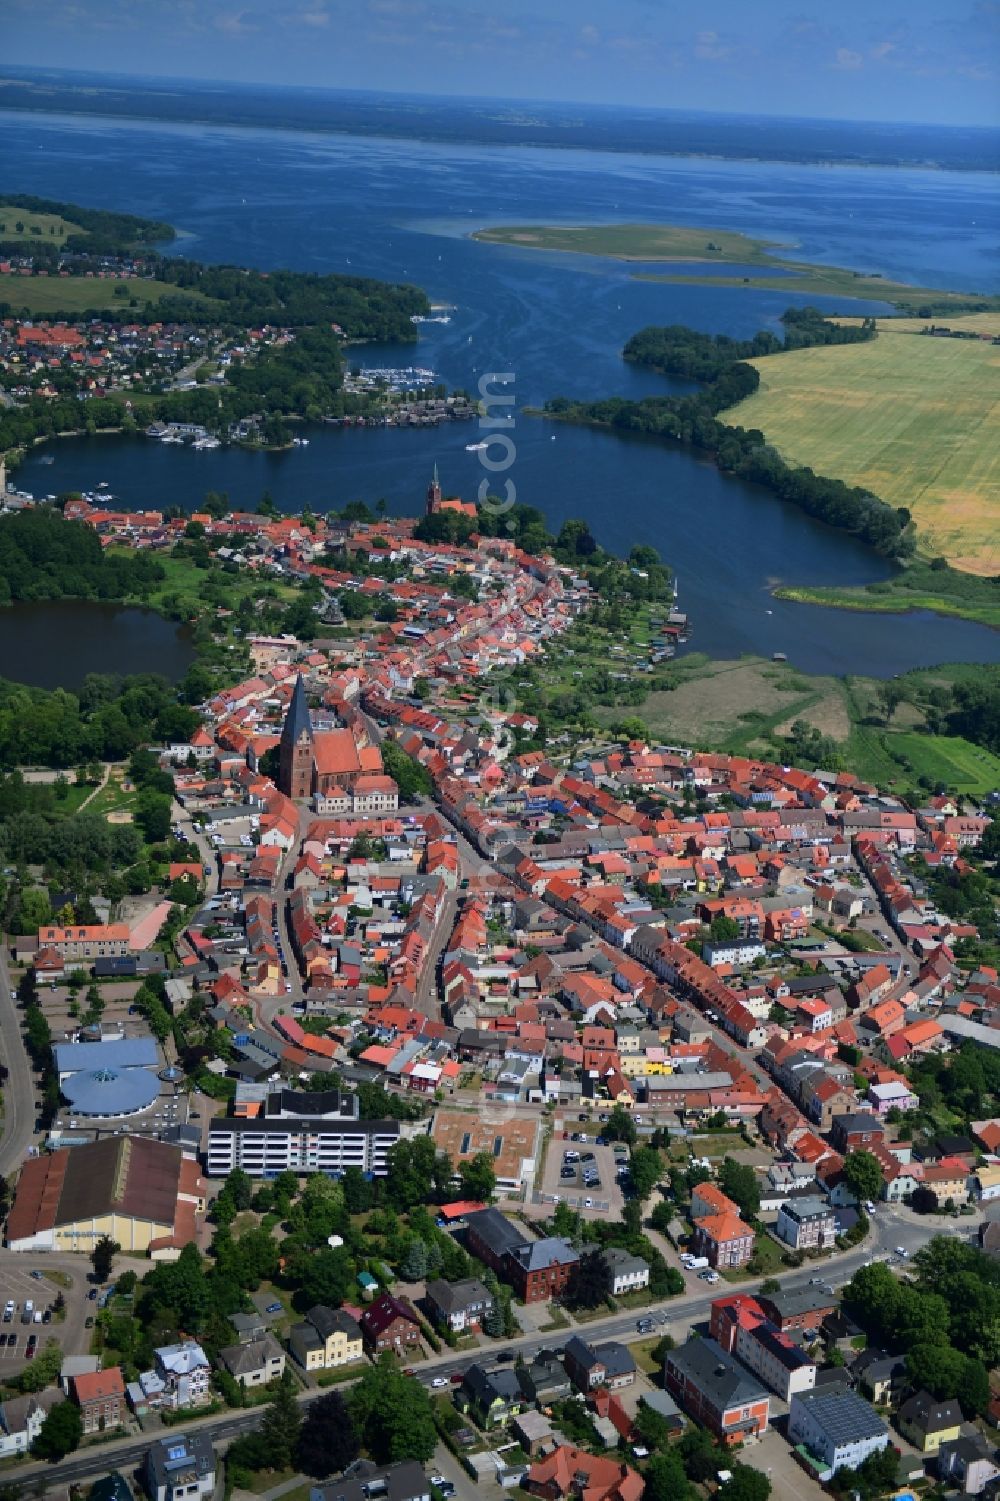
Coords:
719,363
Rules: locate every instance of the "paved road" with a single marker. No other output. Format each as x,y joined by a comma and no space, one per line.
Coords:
674,1314
19,1090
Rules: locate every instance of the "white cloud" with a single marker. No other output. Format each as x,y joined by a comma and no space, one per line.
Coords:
848,60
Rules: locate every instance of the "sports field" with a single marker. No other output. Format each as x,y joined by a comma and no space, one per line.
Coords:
913,418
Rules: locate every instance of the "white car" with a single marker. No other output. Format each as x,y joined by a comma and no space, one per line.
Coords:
901,1251
438,1381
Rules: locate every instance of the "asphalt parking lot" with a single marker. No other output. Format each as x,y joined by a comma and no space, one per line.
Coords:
573,1190
18,1286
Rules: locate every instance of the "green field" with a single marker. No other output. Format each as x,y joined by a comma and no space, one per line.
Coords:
668,242
949,759
35,226
44,295
914,419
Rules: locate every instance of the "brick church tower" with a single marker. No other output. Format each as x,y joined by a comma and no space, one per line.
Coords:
295,750
434,494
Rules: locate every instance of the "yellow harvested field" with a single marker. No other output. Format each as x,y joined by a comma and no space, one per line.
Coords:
913,418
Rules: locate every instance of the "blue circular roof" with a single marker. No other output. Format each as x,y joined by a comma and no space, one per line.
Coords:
111,1091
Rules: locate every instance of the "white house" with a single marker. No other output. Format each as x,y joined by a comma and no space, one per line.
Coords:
837,1426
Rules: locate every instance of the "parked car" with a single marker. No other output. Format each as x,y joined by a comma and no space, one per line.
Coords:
437,1383
274,1308
89,1322
92,1295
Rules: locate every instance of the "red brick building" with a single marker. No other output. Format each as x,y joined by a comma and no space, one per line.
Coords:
390,1324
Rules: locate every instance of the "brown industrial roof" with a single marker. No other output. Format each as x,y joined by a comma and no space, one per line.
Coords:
37,1199
128,1175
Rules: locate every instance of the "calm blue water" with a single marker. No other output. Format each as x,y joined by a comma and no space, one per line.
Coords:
404,210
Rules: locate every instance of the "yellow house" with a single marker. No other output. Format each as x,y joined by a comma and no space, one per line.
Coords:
928,1423
327,1338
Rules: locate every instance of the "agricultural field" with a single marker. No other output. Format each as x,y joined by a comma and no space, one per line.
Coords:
914,419
45,295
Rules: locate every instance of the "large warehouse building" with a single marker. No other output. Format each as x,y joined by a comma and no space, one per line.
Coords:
144,1194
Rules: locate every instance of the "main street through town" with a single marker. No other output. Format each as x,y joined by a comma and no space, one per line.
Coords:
674,1316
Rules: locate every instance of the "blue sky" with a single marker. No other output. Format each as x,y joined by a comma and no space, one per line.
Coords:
922,60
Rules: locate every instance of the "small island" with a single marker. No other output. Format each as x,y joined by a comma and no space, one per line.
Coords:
765,265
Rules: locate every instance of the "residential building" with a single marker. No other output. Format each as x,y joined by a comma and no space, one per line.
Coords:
837,1427
266,1146
928,1423
100,941
879,1376
255,1362
544,1379
857,1131
589,1366
797,1308
185,1372
569,1471
807,1224
717,1392
741,1328
969,1463
364,1481
458,1305
390,1324
180,1467
326,1338
21,1420
629,1274
492,1238
540,1269
492,1397
725,1239
100,1396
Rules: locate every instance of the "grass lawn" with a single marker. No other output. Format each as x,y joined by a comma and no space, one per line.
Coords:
265,1480
915,420
716,1144
35,226
46,295
642,1354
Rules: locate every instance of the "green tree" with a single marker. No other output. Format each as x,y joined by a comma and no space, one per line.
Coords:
724,929
739,1183
478,1176
392,1414
620,1126
281,1425
665,1478
60,1433
746,1484
645,1171
102,1257
589,1282
328,1442
863,1175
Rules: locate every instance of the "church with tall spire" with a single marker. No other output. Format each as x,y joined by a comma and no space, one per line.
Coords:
338,768
296,746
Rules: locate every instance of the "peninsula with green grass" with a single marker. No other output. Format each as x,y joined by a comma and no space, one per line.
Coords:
761,264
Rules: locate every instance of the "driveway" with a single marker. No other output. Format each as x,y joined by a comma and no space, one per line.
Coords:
789,1481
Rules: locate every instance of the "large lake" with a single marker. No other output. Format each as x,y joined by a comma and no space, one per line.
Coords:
56,643
404,210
